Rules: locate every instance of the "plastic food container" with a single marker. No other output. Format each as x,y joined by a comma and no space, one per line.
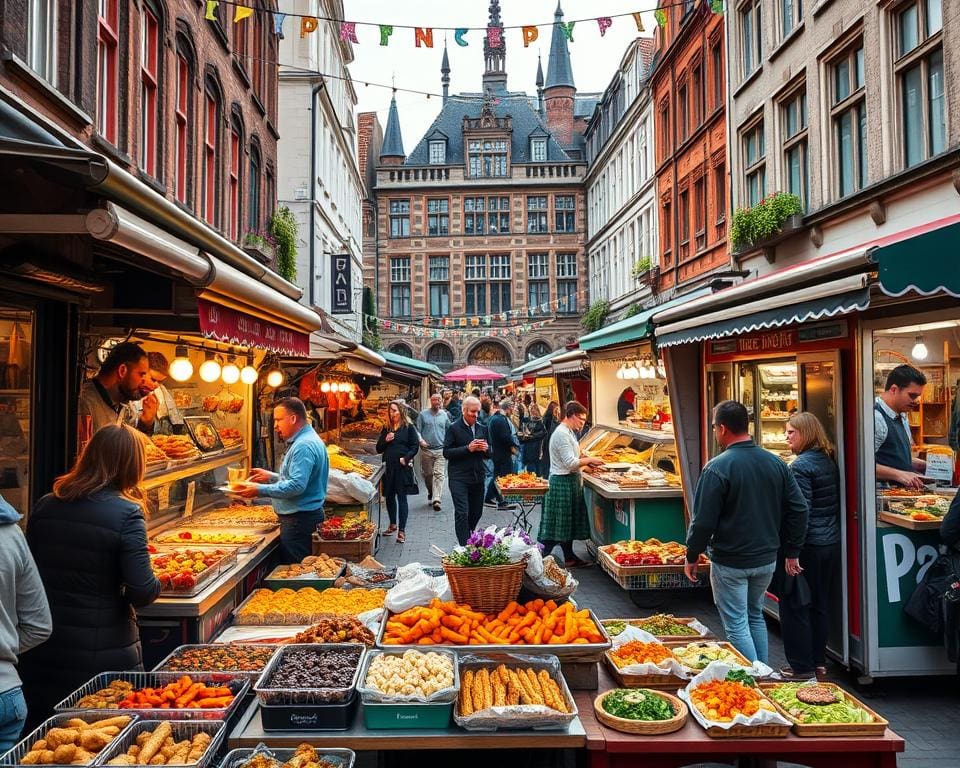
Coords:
181,729
16,755
272,695
395,712
309,717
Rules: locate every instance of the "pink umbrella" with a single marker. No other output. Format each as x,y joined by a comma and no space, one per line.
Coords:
473,373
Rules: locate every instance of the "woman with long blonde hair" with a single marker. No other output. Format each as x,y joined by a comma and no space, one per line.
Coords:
399,443
89,539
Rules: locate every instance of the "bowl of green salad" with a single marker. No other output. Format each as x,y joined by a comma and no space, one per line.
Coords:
640,711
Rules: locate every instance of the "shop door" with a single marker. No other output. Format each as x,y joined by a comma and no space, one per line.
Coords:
719,388
820,394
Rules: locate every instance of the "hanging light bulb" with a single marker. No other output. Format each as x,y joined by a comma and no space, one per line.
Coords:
620,370
661,369
210,368
248,374
275,377
325,387
632,371
230,373
181,368
919,351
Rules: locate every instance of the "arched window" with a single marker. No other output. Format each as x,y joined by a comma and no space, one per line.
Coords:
235,196
151,57
441,356
184,118
253,196
213,109
537,349
401,349
489,353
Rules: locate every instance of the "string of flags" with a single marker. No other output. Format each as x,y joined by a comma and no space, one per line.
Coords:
417,331
423,37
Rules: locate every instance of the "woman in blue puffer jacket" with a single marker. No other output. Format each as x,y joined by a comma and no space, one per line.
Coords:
804,618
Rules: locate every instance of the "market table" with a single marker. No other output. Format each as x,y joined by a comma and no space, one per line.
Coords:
249,732
525,500
608,748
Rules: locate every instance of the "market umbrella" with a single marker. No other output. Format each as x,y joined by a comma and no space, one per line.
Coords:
473,373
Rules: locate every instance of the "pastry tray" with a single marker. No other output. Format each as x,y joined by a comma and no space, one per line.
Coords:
257,538
204,577
252,676
339,758
139,680
271,696
204,521
272,581
182,729
22,747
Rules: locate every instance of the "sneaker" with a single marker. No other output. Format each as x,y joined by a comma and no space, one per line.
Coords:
503,506
491,504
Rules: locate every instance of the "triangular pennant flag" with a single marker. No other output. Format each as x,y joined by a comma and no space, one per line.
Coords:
348,31
604,23
241,12
567,30
639,21
278,24
661,16
211,8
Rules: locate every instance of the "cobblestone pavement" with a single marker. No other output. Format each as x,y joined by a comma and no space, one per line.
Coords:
922,710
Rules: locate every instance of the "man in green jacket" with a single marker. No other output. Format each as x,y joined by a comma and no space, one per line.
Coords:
745,498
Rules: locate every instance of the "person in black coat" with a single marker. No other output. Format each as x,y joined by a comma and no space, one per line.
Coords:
399,443
465,449
89,540
950,527
550,420
502,443
805,612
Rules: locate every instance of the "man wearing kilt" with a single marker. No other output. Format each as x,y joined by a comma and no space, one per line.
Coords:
564,517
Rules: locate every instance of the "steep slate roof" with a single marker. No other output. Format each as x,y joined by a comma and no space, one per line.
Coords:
392,138
585,103
518,106
559,69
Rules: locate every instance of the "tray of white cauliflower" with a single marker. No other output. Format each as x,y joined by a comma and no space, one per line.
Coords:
412,676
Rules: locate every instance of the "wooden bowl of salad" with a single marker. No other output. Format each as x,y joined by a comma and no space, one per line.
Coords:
640,711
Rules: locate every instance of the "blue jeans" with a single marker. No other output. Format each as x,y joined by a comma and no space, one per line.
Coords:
738,593
296,535
13,714
397,503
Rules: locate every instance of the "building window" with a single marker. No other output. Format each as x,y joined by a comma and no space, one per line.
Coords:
500,267
538,297
720,198
566,282
438,217
538,349
719,80
700,213
440,355
108,64
500,285
665,143
565,213
538,265
399,218
683,118
400,286
488,157
257,59
848,113
234,212
474,215
567,265
536,214
475,288
211,154
401,349
42,39
754,164
666,232
438,152
538,150
791,11
400,269
270,190
919,70
240,45
183,115
439,268
439,275
751,40
498,215
253,208
699,95
793,116
475,268
683,236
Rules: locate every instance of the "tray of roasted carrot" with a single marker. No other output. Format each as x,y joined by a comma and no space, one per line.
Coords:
536,626
167,695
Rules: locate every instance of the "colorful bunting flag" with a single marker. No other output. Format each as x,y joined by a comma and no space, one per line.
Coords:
716,6
459,35
567,30
348,31
278,24
211,10
604,23
423,36
308,24
385,31
530,34
241,12
639,21
661,16
494,36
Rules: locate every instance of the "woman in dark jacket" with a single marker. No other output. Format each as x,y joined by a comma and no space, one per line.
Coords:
805,626
399,443
89,540
550,421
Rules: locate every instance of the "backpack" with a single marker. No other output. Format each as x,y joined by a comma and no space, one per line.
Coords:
926,604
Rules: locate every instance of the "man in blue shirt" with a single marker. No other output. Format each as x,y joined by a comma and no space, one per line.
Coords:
299,488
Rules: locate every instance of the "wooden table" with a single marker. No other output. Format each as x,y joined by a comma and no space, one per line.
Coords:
608,748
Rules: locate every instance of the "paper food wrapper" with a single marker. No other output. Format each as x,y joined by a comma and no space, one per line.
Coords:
717,670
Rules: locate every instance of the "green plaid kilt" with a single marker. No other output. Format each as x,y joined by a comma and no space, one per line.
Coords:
564,516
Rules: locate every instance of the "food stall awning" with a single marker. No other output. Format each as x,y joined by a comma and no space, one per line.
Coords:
849,294
633,328
232,326
364,361
402,361
926,263
569,362
537,364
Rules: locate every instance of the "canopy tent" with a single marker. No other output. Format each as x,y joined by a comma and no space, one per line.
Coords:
473,373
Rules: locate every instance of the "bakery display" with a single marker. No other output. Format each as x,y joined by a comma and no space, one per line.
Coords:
322,566
230,437
76,741
303,606
176,447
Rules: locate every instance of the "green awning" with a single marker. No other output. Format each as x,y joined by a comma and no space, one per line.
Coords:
633,328
927,263
401,361
537,363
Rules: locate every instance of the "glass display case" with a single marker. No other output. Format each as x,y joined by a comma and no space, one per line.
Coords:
629,445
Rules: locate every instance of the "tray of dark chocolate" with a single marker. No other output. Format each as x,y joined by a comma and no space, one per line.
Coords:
316,673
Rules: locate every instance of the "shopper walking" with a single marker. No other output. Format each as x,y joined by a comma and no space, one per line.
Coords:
745,497
465,448
89,540
551,418
24,620
805,598
503,444
564,517
432,424
455,406
399,443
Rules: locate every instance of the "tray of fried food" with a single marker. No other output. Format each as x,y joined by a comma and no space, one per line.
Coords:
156,459
303,606
176,447
68,739
346,463
321,565
168,743
304,756
253,517
230,437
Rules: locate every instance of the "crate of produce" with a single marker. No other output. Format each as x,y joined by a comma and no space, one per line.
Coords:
664,626
185,571
69,739
324,673
143,693
172,743
352,550
235,660
413,689
274,757
641,711
650,576
506,691
824,709
317,571
305,606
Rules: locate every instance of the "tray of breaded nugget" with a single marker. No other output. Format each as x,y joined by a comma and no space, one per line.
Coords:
69,739
171,743
178,448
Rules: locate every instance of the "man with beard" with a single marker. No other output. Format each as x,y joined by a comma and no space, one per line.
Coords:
106,398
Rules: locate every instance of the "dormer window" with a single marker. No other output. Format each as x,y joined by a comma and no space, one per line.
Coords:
488,157
538,150
438,152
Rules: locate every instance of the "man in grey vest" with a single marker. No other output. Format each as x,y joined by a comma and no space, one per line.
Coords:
892,440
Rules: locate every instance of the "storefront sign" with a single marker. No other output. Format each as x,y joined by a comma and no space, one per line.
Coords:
773,342
234,327
903,557
340,284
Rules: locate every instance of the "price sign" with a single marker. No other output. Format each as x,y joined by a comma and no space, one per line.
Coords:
939,467
191,494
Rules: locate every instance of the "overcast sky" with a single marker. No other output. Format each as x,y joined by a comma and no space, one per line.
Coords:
594,58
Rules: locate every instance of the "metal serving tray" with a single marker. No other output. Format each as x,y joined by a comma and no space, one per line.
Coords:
251,676
342,758
204,578
293,696
139,680
15,755
203,520
273,581
369,695
567,652
185,525
182,729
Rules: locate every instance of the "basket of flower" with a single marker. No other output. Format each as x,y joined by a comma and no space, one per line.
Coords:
484,573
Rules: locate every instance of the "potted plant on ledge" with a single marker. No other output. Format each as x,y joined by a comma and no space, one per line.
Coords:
646,273
772,220
260,246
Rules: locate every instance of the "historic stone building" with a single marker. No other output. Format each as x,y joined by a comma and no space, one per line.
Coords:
481,227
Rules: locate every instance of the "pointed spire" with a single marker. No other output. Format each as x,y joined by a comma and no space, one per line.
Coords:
445,73
392,139
495,57
539,85
559,69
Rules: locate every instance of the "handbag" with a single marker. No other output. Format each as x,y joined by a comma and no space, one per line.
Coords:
410,487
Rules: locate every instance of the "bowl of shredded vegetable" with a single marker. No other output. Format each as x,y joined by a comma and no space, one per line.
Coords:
640,711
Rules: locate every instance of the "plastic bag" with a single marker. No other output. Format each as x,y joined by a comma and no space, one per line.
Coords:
418,589
372,694
348,488
717,670
542,584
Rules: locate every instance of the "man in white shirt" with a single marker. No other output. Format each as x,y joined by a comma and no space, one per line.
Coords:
892,439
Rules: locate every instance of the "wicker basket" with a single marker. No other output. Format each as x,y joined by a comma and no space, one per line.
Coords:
643,727
488,589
